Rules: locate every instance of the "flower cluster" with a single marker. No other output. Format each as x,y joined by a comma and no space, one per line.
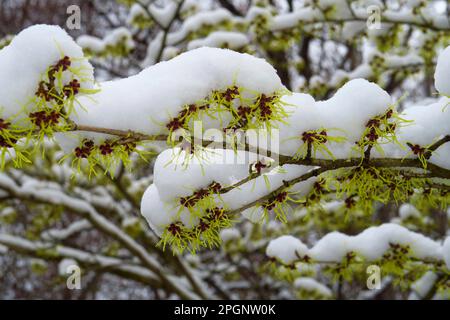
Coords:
206,233
379,130
46,112
316,140
360,186
92,156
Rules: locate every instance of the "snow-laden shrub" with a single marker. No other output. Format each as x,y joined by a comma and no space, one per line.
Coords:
350,151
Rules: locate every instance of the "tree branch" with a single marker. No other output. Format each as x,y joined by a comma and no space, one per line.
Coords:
88,212
58,252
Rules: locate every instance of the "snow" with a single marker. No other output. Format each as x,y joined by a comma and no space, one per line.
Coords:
116,36
397,61
231,40
446,252
156,95
30,54
230,234
407,210
215,166
366,69
352,29
287,249
349,110
341,11
129,222
423,285
353,105
331,248
136,12
153,97
370,244
255,12
91,43
153,50
165,14
160,214
311,284
160,202
442,74
65,265
170,53
428,124
373,242
340,7
61,234
292,19
195,22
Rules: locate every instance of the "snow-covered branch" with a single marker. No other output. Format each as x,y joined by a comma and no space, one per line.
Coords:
86,259
206,137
